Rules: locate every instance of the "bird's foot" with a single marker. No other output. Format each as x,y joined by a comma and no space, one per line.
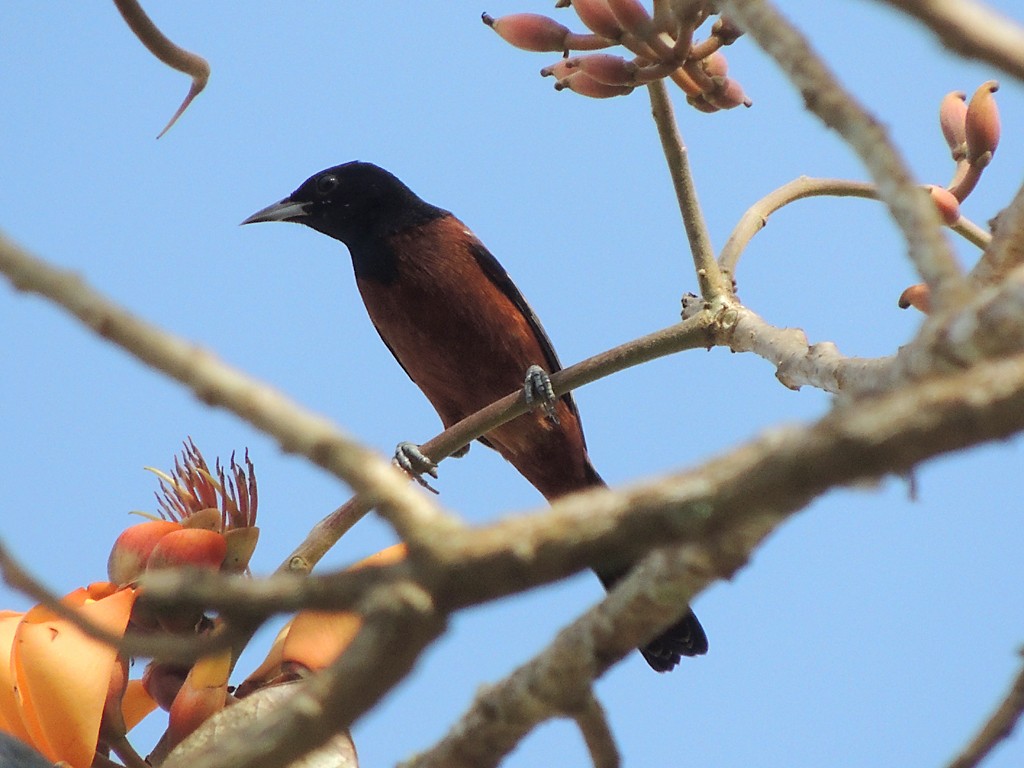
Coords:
410,459
539,392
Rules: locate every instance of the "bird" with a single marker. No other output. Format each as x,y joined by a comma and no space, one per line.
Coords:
463,332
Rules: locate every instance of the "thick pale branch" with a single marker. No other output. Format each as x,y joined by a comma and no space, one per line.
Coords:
398,623
911,208
772,476
215,383
972,30
723,509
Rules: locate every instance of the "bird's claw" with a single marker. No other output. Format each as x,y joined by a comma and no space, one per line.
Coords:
539,392
410,459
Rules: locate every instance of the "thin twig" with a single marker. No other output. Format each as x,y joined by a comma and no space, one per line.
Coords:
972,30
694,333
1007,249
997,728
713,285
755,218
124,750
597,733
911,208
193,65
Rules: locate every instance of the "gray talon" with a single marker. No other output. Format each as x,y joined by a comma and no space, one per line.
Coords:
415,463
539,392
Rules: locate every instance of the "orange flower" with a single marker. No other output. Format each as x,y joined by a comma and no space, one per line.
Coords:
55,687
314,639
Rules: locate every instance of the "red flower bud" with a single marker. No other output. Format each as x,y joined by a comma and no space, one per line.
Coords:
946,203
598,17
698,102
917,296
632,17
559,70
727,94
982,124
953,122
605,68
726,31
585,85
529,31
131,551
715,64
191,546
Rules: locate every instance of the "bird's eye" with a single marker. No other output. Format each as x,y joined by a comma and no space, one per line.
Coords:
327,184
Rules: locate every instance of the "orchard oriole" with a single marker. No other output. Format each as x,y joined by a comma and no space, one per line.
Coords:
462,331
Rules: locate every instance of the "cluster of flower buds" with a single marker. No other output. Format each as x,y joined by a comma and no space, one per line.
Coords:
209,522
67,694
971,129
662,45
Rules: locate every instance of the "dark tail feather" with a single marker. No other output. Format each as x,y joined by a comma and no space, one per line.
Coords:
684,638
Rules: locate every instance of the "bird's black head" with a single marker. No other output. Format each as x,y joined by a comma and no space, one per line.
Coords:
358,203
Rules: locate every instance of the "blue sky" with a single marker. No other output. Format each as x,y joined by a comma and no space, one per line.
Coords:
871,625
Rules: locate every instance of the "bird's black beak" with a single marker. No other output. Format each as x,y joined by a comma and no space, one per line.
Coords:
282,210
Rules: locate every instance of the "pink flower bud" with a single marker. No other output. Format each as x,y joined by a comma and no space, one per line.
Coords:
953,122
917,296
715,65
698,102
727,94
983,124
726,31
559,70
529,31
585,85
946,203
598,17
632,16
605,68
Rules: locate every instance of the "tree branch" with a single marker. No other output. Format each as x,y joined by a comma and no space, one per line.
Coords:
972,30
193,65
1007,249
912,210
756,217
996,729
215,383
712,283
694,333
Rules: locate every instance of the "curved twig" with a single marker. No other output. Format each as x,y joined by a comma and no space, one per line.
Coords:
755,217
192,64
913,211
